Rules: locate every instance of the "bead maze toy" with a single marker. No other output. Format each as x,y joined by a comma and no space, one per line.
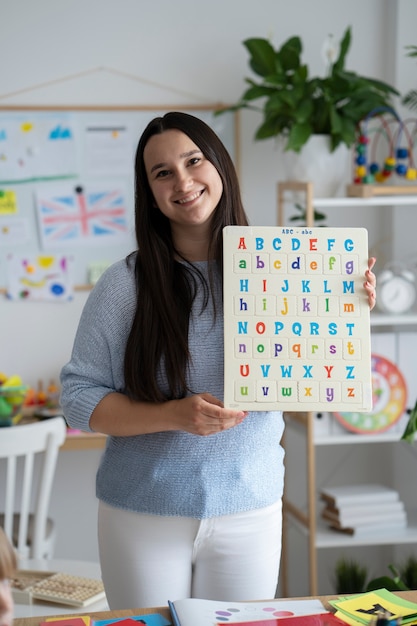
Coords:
384,154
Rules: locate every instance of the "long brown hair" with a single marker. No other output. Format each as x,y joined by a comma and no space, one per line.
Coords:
165,286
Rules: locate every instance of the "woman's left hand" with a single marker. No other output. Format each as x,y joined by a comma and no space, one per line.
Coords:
370,283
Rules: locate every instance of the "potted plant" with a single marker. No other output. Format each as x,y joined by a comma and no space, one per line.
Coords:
350,576
296,106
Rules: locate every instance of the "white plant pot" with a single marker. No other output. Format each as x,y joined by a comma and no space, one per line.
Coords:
328,171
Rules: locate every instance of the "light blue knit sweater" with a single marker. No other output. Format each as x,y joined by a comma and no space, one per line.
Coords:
174,472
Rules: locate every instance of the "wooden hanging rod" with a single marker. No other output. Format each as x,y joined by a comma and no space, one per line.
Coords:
116,107
3,290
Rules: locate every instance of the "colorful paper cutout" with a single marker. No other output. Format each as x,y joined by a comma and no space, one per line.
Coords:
8,202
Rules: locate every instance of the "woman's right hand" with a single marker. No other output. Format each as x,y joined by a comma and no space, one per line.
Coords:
203,414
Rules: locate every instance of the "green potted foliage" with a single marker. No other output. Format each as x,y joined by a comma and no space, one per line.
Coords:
296,106
410,98
350,576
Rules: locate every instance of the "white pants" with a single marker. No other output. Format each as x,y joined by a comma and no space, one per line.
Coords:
147,560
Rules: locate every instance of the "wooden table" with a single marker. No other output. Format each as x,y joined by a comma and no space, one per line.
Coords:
84,441
35,621
75,440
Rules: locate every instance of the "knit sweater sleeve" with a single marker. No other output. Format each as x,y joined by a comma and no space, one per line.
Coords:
96,365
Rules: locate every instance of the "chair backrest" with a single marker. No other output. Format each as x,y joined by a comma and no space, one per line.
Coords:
25,442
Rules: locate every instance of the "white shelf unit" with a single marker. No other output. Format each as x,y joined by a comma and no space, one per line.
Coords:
318,535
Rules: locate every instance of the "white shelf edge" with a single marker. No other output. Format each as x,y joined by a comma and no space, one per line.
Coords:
352,201
381,319
355,439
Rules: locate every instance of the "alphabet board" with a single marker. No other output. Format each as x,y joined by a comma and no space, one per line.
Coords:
296,319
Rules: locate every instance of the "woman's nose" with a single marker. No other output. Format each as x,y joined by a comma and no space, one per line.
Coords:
183,180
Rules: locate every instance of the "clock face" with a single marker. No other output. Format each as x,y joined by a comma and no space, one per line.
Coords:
396,295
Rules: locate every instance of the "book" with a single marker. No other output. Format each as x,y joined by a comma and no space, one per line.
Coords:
365,607
369,518
191,611
321,619
345,511
358,494
67,621
150,619
370,529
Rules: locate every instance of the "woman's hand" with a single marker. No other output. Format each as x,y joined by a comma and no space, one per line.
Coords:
203,414
370,283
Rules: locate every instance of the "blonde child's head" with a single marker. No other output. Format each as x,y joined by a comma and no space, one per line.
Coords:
8,566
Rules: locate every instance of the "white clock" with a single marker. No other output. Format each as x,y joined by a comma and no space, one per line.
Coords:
396,291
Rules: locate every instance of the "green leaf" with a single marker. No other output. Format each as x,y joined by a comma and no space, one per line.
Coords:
385,582
262,59
271,127
411,427
410,99
289,54
412,51
298,136
344,49
257,91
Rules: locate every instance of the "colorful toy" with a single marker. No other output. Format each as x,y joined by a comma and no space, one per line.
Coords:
12,398
374,164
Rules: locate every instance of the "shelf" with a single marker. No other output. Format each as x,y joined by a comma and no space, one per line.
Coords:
382,319
307,519
322,203
356,439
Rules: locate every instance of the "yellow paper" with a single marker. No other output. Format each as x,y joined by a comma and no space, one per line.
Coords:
8,202
364,607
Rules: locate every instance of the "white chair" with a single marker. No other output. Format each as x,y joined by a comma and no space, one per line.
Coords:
27,525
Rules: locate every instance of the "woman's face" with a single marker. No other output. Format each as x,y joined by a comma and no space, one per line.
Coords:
186,186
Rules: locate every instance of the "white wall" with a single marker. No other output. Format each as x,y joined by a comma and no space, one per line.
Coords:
183,52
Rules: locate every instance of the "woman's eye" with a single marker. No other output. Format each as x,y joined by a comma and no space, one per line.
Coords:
194,160
162,173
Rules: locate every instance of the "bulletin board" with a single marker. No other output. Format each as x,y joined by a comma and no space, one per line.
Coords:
67,184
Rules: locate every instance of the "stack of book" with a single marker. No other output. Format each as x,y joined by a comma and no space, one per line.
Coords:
362,509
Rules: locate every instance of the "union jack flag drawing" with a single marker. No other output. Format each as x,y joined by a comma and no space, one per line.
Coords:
78,215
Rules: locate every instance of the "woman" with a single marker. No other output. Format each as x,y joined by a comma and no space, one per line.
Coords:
190,492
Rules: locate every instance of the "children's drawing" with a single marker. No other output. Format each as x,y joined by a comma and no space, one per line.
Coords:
108,150
296,319
36,147
78,215
13,230
39,278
